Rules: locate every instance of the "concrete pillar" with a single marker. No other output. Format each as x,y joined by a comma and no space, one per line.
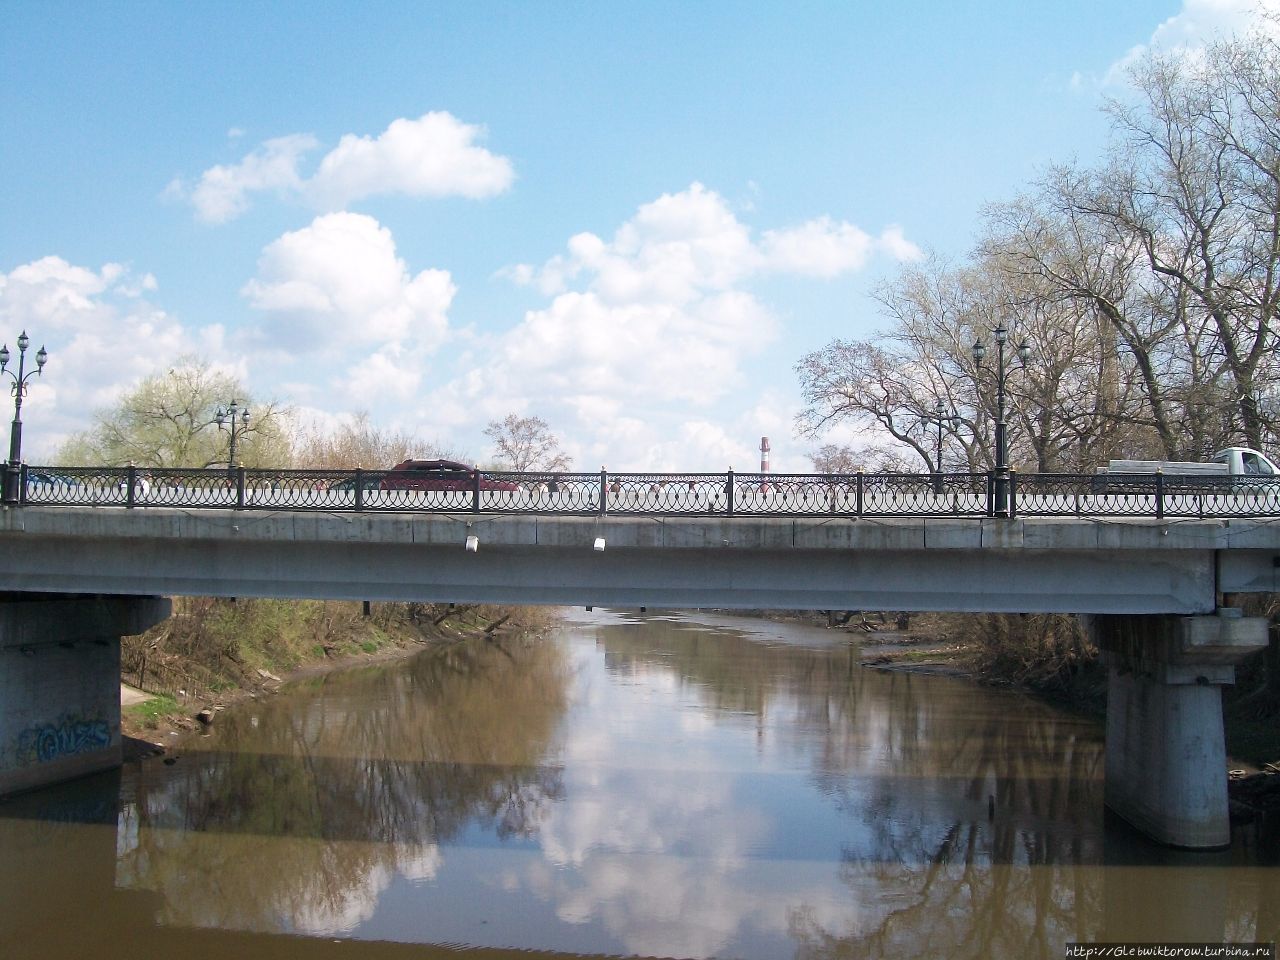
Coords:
60,683
1166,763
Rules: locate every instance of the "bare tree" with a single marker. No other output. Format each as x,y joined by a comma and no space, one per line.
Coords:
830,458
892,384
526,443
357,443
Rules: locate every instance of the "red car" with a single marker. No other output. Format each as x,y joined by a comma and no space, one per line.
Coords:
438,475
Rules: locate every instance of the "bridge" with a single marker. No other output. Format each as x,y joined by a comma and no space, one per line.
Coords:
90,555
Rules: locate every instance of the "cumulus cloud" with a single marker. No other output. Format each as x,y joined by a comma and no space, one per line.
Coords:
340,278
657,319
102,336
339,284
436,155
1194,27
647,331
433,156
824,248
682,245
222,193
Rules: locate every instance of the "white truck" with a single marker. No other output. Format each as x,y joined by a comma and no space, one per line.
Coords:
1234,469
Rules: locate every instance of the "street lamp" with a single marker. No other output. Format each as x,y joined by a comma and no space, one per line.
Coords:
1002,449
237,426
13,473
941,418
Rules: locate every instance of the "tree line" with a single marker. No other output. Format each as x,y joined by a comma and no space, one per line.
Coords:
1145,285
179,419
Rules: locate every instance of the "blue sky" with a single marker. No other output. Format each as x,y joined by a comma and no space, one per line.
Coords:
629,219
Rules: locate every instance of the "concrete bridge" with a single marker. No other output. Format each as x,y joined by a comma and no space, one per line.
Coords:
1160,596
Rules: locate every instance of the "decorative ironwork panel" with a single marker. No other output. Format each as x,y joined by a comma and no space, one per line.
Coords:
76,486
302,489
667,494
1244,497
550,493
1080,495
924,495
186,488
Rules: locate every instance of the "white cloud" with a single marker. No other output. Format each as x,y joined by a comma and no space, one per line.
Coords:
826,248
894,242
435,155
223,191
819,248
339,280
101,337
337,287
646,335
1191,29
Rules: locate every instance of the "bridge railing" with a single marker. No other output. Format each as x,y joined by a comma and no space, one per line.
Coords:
730,494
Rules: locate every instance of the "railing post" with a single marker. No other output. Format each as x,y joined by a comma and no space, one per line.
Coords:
728,491
604,491
22,484
991,493
475,490
859,495
831,494
359,489
1013,493
130,482
1159,494
240,487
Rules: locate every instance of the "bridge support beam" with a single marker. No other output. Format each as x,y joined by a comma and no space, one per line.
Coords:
1166,763
60,683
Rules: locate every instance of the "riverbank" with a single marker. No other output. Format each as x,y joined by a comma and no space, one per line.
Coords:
214,653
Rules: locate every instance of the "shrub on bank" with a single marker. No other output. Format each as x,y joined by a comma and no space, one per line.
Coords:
212,646
1048,652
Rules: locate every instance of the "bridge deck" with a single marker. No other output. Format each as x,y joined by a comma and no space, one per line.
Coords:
1019,565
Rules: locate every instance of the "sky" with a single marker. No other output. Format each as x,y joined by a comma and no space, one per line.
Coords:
628,219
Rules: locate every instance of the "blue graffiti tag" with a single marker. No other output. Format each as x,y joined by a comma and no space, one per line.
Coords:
68,737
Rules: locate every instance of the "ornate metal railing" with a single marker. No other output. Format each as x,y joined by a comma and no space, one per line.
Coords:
972,495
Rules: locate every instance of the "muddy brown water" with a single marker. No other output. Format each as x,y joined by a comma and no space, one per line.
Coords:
653,785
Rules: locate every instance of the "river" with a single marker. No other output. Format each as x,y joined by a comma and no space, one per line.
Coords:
637,785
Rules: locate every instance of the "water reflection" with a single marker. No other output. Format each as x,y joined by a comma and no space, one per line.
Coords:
653,786
354,782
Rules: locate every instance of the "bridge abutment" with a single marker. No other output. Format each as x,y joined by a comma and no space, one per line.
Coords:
1166,763
60,683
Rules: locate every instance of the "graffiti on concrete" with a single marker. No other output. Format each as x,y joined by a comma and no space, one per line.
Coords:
66,738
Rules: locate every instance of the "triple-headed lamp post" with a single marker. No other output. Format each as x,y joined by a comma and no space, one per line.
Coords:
227,420
1002,449
20,378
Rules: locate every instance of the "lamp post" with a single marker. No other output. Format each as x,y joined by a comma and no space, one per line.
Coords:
941,418
1001,335
237,426
13,473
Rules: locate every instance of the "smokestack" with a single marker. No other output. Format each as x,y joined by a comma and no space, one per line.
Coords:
764,454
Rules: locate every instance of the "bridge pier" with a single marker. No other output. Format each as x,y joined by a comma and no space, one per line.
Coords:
1166,762
60,683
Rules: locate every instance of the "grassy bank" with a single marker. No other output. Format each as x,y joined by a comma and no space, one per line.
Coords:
214,651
